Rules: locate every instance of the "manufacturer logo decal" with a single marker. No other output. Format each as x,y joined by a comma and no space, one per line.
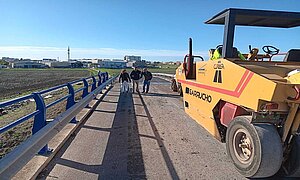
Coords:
218,74
200,95
202,69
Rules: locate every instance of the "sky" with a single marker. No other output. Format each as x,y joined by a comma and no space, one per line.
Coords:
157,30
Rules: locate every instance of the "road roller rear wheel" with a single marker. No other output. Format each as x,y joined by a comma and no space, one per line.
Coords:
255,149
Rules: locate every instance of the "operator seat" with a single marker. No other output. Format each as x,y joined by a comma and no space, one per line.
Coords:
292,55
234,52
217,53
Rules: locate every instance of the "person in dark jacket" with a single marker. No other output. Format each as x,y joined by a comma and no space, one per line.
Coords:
135,75
147,78
124,76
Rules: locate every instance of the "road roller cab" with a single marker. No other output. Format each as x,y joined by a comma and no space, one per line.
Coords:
252,102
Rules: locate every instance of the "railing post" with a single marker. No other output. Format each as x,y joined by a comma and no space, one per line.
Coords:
99,82
112,81
85,91
94,83
71,100
106,74
40,119
103,77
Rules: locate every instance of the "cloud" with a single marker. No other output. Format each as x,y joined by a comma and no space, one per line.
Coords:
34,52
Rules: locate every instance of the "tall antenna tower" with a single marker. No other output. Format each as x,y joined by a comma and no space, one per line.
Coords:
68,53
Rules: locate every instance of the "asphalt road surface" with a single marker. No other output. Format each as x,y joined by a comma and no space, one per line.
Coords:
141,136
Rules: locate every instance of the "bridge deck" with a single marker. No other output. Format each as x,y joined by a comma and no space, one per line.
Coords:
147,136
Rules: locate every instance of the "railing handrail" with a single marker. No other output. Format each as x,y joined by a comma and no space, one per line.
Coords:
15,160
164,74
30,96
15,100
52,89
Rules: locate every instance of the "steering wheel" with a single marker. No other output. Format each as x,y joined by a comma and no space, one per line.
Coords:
270,50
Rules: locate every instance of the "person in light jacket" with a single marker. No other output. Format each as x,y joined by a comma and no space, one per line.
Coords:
124,76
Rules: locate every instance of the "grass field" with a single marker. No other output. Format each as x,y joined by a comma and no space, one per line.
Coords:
16,82
13,137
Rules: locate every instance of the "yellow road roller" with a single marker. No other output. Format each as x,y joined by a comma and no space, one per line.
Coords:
248,101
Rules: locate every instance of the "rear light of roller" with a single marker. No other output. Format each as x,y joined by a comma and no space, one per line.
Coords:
269,106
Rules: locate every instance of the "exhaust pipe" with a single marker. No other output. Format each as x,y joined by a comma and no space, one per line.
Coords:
190,47
190,60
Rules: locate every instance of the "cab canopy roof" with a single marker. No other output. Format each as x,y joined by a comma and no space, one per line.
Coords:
249,17
262,18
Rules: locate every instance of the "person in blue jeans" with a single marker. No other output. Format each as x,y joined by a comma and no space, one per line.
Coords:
147,78
135,75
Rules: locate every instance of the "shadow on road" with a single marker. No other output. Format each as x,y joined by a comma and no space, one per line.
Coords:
162,95
124,146
58,159
123,153
163,149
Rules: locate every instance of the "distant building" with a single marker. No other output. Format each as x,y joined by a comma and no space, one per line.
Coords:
8,59
25,59
48,59
139,64
178,63
171,63
87,64
76,64
132,58
113,64
27,64
57,64
88,60
130,64
2,66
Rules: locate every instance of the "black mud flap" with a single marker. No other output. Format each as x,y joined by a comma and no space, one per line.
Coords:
186,104
293,162
174,85
179,90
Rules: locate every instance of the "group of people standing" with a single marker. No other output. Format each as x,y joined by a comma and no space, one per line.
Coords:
136,75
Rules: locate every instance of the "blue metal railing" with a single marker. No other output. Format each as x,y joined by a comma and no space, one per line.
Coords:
39,114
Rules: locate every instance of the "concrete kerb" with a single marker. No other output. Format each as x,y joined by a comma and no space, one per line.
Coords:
35,166
164,78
